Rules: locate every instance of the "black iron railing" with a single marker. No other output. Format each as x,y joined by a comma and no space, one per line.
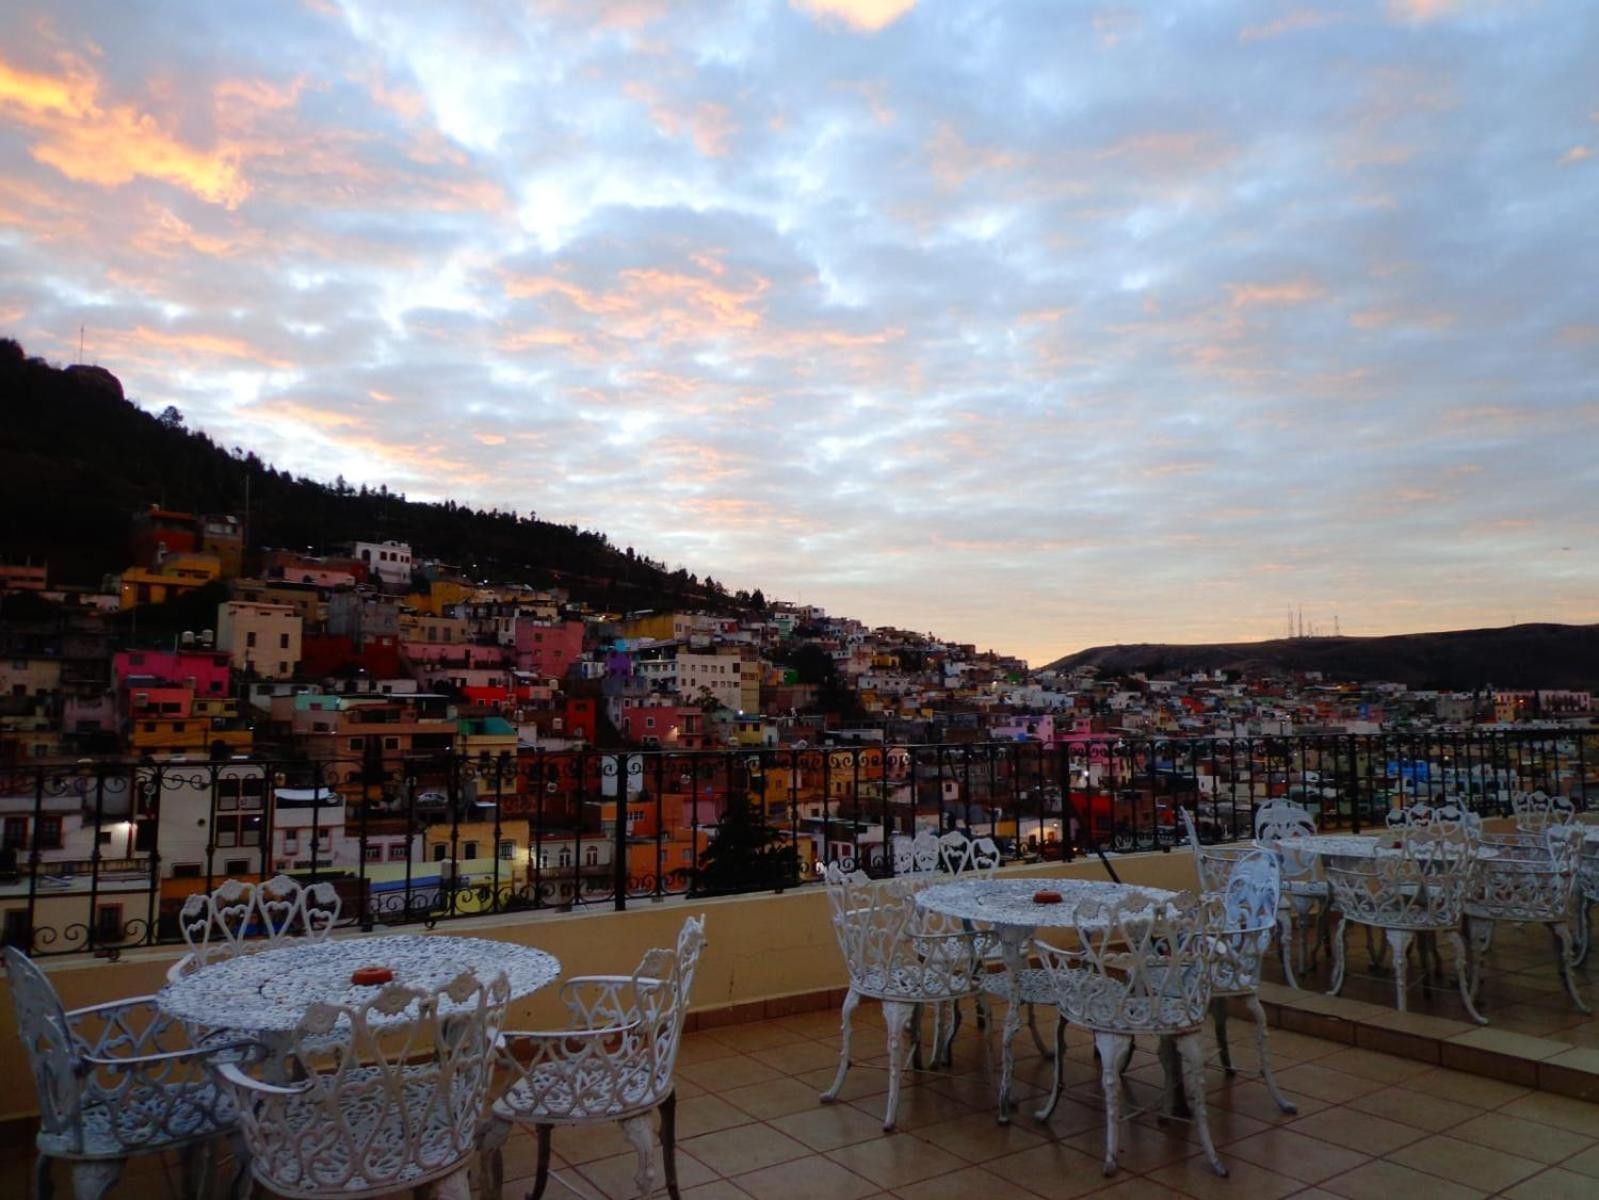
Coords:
99,855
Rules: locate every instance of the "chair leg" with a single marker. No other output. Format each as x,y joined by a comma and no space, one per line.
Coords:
1583,904
541,1174
669,1143
44,1183
1175,1102
197,1161
639,1135
92,1180
1111,1047
1477,933
1568,962
1218,1018
1399,942
946,1056
1032,1027
1462,971
1257,1011
1058,1079
1338,957
852,1001
243,1180
897,1015
1192,1051
455,1186
1285,943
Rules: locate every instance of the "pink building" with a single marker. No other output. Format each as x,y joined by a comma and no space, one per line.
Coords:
548,650
662,724
205,672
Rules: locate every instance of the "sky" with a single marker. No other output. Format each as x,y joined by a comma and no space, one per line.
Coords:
1039,326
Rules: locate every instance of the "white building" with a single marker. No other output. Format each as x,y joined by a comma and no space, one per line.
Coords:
390,561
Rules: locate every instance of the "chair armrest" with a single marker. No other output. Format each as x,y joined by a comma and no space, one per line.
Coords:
161,1057
507,1036
109,1006
239,1079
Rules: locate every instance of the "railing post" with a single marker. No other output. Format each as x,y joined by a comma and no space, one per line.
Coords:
619,847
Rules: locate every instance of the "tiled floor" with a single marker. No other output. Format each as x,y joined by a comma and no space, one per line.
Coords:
1368,1126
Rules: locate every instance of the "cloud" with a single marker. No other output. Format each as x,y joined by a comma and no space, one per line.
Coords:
1036,328
865,15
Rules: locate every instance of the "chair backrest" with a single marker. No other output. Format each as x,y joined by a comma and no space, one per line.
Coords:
399,1097
888,951
1536,812
1250,896
53,1053
662,984
1281,821
1446,816
1423,886
1137,967
1214,864
241,917
917,855
1535,877
962,855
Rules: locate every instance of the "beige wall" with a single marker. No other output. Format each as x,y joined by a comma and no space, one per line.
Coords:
759,947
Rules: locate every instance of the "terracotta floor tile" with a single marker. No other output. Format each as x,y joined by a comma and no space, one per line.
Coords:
1368,1064
827,1127
723,1074
775,1098
1244,1180
972,1183
1419,1109
1142,1148
1553,1184
701,1047
916,1108
744,1148
1586,1163
1561,1111
1253,1100
585,1143
1356,1130
814,1178
613,1177
1054,1170
1138,1187
791,1058
757,1035
1547,1144
894,1160
1383,1180
1462,1088
707,1113
1324,1083
717,1189
979,1138
860,1081
1465,1162
1307,1159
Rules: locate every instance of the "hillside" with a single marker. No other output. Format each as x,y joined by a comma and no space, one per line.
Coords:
77,459
1516,656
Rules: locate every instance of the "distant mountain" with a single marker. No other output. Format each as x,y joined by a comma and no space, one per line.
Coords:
1516,656
77,459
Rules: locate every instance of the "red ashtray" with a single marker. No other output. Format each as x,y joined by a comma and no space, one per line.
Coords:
1046,897
1399,845
370,976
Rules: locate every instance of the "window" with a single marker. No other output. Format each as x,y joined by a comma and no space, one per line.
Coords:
372,853
356,743
16,833
508,849
591,856
249,638
186,871
440,851
566,856
391,743
237,866
47,833
283,641
468,849
397,852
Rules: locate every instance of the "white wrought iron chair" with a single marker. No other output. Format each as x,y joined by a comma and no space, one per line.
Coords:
1532,878
1536,812
1419,890
1447,818
114,1081
395,1103
242,917
1249,882
614,1064
1306,896
892,959
1142,969
1588,890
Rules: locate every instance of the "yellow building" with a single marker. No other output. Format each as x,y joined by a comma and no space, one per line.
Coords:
179,573
263,638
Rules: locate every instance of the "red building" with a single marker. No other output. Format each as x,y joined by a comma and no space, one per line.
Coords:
548,650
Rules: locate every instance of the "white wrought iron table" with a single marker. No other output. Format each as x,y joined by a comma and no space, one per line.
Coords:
265,995
1007,906
1347,845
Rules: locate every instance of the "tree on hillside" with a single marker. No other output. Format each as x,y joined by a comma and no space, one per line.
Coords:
745,855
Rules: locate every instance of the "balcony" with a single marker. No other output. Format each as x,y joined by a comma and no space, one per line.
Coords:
1374,1120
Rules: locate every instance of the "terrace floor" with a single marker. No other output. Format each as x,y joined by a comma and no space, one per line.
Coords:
1369,1125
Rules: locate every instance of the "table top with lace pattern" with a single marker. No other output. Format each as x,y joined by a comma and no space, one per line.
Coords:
1010,901
1349,845
270,991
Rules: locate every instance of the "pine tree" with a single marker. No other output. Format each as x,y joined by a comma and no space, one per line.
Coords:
745,856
